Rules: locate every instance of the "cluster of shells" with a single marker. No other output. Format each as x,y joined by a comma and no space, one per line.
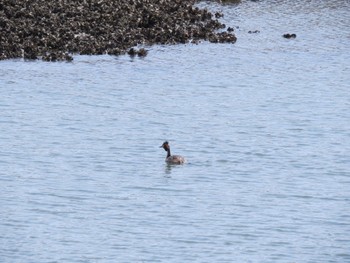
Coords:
54,30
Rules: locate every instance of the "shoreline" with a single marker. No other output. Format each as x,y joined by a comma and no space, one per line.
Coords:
56,30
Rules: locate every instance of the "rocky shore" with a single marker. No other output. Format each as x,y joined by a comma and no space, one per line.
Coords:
55,30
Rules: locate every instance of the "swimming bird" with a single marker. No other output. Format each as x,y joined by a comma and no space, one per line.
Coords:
171,159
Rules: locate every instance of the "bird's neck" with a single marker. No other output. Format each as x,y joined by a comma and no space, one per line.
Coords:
168,153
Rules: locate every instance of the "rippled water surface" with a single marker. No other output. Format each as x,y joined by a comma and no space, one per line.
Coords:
263,123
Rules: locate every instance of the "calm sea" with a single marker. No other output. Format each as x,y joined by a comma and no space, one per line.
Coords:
264,125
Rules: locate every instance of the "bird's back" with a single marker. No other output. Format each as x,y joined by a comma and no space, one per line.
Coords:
175,159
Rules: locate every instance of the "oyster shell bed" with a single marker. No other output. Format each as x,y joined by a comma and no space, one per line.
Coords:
55,30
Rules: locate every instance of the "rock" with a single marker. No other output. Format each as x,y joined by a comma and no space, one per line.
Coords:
142,52
230,1
132,52
289,36
55,30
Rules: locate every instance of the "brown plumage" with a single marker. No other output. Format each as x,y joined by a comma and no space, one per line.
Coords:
171,159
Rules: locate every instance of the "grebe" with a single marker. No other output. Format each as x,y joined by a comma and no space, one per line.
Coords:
171,159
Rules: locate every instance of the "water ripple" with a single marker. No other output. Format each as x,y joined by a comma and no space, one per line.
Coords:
264,125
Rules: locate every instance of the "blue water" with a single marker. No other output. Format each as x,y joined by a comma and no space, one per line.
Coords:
264,126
